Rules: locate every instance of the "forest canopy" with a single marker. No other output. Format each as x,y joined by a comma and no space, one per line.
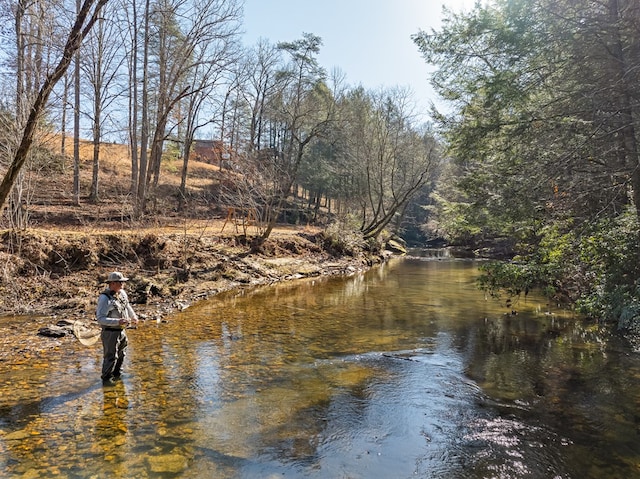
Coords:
541,128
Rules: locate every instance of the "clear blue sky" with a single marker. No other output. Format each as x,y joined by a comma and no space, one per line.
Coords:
369,40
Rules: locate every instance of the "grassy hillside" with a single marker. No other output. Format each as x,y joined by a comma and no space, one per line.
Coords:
49,191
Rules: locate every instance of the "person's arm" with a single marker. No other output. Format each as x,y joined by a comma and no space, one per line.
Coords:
101,313
132,314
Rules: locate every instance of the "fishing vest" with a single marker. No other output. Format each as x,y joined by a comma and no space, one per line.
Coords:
117,305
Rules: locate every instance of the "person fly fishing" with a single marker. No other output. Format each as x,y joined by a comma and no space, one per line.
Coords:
114,314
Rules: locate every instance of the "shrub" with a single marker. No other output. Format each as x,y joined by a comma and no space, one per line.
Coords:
342,237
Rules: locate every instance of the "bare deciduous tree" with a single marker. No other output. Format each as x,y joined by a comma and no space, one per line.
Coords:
214,56
185,34
390,160
301,112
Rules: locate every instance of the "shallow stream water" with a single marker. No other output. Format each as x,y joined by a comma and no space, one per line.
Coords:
405,371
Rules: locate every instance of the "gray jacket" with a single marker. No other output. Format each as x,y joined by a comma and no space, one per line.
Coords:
112,307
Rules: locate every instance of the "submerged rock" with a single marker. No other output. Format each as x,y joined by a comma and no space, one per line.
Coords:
53,331
167,463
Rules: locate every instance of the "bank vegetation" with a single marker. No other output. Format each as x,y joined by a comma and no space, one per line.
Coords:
542,126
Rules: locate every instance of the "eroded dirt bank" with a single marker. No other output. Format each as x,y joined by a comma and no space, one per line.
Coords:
51,275
48,277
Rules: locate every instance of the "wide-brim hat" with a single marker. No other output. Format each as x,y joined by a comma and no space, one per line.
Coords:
116,276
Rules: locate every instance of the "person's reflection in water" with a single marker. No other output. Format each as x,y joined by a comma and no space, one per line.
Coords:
111,428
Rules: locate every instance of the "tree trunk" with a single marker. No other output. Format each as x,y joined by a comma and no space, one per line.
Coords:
144,131
133,104
188,141
20,54
76,125
63,121
76,132
97,133
625,105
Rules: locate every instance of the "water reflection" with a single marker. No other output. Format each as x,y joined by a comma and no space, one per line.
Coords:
406,371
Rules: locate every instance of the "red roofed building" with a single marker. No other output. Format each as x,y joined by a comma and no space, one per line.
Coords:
210,151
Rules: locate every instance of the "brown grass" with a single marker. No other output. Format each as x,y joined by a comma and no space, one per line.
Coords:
50,201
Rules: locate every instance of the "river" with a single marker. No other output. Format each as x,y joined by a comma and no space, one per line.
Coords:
405,371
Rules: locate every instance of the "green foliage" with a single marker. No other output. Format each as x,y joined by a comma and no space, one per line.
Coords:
455,223
316,172
512,279
536,113
172,151
610,254
546,267
597,270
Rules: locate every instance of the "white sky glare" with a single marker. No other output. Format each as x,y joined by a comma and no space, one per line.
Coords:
368,40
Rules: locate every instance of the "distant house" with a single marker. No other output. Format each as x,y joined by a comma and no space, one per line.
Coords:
210,151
